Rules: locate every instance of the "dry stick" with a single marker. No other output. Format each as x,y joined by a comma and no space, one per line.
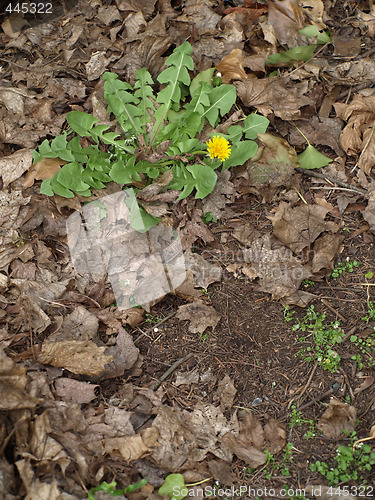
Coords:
306,386
366,145
333,390
170,370
332,179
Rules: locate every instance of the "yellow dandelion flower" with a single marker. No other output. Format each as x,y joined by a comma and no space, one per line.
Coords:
218,147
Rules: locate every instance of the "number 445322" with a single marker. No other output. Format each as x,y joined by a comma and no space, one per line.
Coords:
30,8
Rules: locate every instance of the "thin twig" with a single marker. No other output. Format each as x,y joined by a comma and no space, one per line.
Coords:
306,386
170,370
311,173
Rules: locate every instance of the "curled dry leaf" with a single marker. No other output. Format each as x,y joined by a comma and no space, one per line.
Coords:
74,391
231,67
337,418
132,447
42,170
225,393
358,137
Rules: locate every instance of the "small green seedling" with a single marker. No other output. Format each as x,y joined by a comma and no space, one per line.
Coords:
111,489
347,266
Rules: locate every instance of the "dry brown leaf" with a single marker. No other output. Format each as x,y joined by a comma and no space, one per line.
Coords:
279,271
231,67
358,136
298,227
275,435
82,357
250,441
204,271
365,385
325,250
74,391
221,471
337,418
223,193
200,316
369,212
225,393
44,169
13,382
286,18
132,447
269,96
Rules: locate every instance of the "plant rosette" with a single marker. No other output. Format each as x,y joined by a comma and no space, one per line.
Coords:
155,133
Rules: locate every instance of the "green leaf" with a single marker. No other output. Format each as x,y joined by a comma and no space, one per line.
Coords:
241,152
311,158
70,175
174,483
309,31
81,122
59,189
221,99
45,188
180,61
205,179
253,125
122,103
57,148
203,76
299,53
144,92
124,172
324,37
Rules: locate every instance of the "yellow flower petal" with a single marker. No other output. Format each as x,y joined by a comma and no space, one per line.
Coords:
218,147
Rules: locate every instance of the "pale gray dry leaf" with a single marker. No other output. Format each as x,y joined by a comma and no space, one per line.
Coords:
298,227
187,289
268,96
204,271
97,65
37,490
78,356
74,391
13,383
225,393
200,13
200,316
187,437
13,166
42,293
10,204
279,271
187,378
325,249
108,14
246,234
7,480
124,357
223,194
337,418
369,212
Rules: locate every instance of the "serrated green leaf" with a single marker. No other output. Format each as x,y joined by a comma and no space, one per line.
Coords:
57,149
221,99
81,122
174,483
180,61
144,92
241,152
311,158
122,103
124,172
70,176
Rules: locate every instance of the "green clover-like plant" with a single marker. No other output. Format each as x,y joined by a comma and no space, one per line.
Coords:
157,133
